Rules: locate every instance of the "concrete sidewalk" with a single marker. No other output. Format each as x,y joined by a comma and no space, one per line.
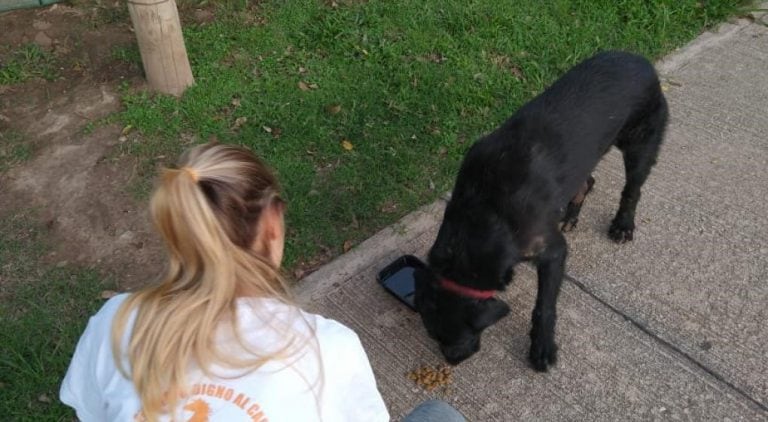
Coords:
670,326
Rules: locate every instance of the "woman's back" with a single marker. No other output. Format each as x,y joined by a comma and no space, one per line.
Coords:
329,380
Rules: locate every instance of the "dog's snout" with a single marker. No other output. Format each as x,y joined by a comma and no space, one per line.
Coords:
454,354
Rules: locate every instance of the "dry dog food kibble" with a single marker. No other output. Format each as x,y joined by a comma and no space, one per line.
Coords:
429,377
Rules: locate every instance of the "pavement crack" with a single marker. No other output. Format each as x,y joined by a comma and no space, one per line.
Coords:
686,356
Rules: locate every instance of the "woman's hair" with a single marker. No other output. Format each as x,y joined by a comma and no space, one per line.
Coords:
207,212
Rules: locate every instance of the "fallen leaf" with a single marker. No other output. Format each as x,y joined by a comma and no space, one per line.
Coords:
333,108
267,129
43,398
313,86
435,57
236,102
389,206
303,86
347,145
347,246
240,121
126,130
108,294
664,87
302,70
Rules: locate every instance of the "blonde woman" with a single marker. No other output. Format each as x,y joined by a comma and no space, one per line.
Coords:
219,339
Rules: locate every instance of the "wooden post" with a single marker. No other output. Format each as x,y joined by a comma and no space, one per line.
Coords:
161,43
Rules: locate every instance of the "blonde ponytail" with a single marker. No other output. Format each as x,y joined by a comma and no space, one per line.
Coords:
206,212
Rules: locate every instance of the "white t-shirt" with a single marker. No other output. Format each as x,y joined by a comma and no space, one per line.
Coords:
275,392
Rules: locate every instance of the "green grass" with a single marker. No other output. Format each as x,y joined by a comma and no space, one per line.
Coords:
25,63
417,82
43,310
128,54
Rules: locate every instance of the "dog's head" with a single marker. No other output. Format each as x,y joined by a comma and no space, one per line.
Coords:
475,253
455,321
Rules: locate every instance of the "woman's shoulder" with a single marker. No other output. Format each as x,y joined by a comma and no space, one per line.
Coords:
337,341
102,319
330,330
330,334
97,334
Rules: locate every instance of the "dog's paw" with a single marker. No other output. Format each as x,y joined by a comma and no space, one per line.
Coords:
543,355
568,225
621,231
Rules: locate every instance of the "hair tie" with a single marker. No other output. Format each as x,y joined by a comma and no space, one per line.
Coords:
191,172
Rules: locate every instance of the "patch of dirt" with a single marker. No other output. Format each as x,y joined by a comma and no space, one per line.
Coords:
76,182
82,45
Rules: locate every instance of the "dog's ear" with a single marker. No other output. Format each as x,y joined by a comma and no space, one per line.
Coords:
486,313
440,254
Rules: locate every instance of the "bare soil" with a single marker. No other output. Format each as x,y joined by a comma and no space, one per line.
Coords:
76,182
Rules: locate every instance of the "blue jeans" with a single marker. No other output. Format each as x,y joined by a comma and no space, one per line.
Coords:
434,411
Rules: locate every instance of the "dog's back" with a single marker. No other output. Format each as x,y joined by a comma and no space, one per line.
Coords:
551,144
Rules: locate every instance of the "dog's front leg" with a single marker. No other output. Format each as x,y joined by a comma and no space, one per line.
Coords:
550,268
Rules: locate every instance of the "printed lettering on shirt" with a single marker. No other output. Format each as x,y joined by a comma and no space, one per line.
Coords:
197,407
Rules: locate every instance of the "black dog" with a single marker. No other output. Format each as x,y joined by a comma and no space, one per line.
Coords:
523,184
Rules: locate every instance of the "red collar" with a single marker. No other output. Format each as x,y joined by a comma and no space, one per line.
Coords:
460,290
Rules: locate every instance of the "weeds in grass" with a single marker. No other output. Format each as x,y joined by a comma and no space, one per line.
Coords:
29,61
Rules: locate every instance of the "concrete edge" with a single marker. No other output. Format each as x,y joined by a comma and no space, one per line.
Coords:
386,242
682,56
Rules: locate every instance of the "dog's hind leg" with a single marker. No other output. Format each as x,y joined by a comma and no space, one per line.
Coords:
571,217
550,269
640,147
